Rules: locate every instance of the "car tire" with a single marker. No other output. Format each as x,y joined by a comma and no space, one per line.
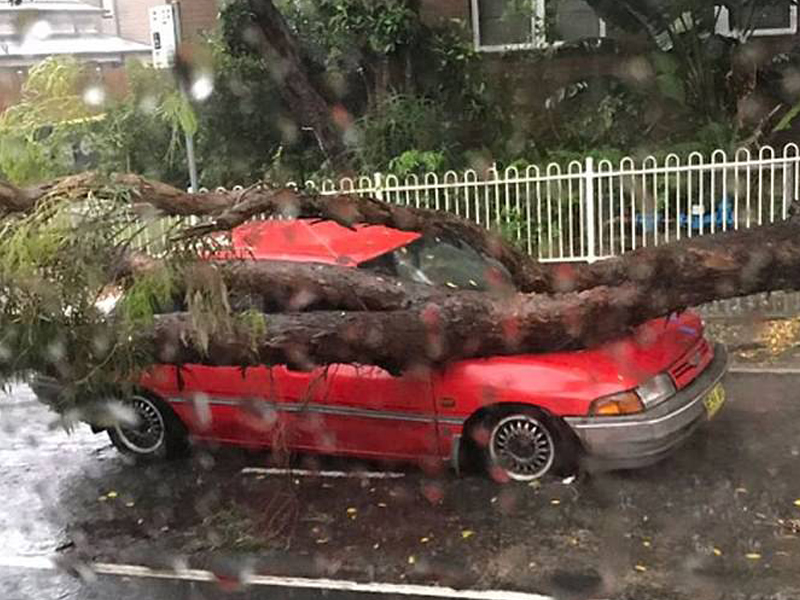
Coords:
159,433
523,444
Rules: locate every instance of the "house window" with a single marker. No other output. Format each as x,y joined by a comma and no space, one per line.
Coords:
502,25
778,18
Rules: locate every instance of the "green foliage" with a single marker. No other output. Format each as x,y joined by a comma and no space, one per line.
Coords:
245,122
515,228
59,260
146,297
788,119
208,304
42,132
418,162
140,132
341,32
668,79
254,322
398,125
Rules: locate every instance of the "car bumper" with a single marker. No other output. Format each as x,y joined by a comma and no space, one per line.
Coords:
641,440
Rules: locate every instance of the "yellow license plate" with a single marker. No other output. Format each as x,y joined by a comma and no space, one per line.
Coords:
714,401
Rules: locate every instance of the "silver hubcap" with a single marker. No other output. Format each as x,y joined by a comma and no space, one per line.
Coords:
522,447
147,435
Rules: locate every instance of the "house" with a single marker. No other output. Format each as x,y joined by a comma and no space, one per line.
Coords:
36,29
501,26
578,44
103,33
197,17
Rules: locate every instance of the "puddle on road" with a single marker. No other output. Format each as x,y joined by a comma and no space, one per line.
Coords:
38,461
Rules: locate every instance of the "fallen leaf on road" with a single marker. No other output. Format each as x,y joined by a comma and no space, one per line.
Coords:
412,560
381,504
717,552
111,494
352,512
467,533
323,541
797,502
753,556
102,499
640,568
646,543
555,501
424,540
568,480
130,504
740,490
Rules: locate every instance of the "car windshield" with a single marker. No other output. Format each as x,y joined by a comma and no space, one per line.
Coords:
439,261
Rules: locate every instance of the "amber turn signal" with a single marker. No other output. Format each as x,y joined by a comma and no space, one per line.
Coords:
625,403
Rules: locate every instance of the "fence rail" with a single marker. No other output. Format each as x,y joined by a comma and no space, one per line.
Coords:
588,210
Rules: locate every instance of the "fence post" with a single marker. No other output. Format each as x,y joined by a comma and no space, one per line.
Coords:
588,198
378,186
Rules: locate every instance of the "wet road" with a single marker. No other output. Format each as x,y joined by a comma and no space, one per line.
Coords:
717,520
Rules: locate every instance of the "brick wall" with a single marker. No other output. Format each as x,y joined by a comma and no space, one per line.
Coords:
10,86
197,16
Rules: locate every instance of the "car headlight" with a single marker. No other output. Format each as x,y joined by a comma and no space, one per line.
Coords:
624,403
656,390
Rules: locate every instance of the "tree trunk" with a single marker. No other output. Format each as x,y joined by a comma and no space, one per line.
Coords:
282,54
227,209
328,314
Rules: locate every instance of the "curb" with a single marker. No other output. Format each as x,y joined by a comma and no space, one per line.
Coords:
764,370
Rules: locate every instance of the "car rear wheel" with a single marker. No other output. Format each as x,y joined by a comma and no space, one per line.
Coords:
523,445
154,431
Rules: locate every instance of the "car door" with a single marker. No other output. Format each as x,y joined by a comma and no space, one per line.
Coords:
258,406
371,413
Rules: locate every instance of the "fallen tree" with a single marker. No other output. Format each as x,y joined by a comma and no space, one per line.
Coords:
67,241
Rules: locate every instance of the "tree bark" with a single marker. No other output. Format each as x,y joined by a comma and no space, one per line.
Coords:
281,286
282,54
330,314
732,263
227,209
459,325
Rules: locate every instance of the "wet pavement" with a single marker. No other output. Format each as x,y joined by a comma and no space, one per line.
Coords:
717,520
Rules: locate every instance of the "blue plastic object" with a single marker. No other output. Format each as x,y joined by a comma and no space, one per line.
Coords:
721,218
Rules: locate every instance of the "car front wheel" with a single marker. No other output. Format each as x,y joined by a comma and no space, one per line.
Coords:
523,445
153,430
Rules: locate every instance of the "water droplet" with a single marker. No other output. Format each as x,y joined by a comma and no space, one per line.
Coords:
202,87
94,95
39,30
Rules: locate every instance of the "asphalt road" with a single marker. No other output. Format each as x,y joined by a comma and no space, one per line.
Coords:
715,521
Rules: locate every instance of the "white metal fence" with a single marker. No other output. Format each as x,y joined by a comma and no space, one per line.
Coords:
588,210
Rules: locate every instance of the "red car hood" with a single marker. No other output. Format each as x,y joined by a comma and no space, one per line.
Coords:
627,362
305,240
567,382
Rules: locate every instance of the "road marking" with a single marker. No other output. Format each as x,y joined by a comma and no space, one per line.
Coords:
335,474
765,370
339,585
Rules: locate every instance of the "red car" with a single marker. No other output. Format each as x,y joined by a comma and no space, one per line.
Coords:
624,404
